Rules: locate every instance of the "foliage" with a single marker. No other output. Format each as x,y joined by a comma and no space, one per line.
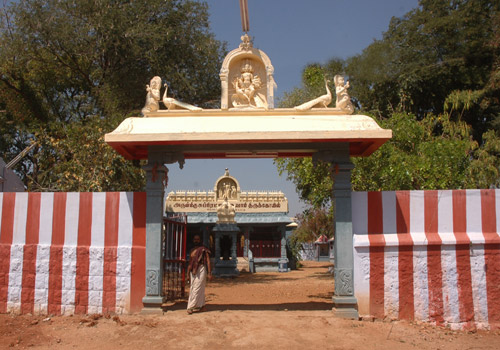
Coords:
433,153
81,160
312,223
313,84
434,79
485,166
312,181
81,66
436,53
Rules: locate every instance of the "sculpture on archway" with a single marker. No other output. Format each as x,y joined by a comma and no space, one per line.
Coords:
319,102
153,98
247,78
172,103
246,87
343,101
226,212
153,95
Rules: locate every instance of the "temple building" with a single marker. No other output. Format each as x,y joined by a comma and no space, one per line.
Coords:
238,226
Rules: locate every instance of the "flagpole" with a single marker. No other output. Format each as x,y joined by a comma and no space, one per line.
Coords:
245,23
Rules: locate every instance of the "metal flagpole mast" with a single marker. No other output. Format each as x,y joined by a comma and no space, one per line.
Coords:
245,23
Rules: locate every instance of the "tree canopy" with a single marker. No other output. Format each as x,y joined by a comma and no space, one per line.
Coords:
434,79
71,70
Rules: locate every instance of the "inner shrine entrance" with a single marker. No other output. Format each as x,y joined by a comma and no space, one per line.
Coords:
248,126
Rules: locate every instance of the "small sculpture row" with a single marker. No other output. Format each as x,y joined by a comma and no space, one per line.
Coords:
153,98
342,103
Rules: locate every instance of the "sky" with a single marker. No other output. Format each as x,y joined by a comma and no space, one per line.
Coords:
293,33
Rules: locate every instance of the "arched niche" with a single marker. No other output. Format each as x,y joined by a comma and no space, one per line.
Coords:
235,66
227,187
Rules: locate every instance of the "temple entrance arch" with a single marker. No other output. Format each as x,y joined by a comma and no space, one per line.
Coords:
332,146
248,126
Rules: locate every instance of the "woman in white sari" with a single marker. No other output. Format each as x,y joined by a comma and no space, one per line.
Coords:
199,269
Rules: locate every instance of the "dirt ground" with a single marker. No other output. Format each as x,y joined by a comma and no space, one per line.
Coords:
261,311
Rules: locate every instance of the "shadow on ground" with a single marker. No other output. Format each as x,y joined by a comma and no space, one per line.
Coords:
308,306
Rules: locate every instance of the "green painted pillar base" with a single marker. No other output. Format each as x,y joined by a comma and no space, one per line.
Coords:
345,307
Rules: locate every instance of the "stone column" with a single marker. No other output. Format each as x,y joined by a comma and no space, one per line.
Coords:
224,103
247,242
217,246
234,242
345,303
206,236
283,262
156,180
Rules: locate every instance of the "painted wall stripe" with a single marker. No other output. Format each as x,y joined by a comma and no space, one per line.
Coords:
110,251
479,294
389,218
474,224
477,259
17,252
82,253
96,253
43,253
30,252
6,223
405,262
497,213
491,254
420,283
450,285
56,254
69,253
1,211
464,281
138,266
435,271
391,282
376,237
417,217
445,218
360,225
391,266
124,251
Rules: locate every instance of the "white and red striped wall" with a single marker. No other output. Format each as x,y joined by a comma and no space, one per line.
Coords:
423,255
428,255
63,253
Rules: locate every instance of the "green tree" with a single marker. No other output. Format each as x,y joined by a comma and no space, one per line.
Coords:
312,223
433,153
434,80
69,64
437,52
313,84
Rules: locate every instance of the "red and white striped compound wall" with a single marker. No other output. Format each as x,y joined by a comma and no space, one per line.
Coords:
63,253
424,255
428,255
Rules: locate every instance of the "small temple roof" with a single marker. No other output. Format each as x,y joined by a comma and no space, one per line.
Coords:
323,239
240,218
247,134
